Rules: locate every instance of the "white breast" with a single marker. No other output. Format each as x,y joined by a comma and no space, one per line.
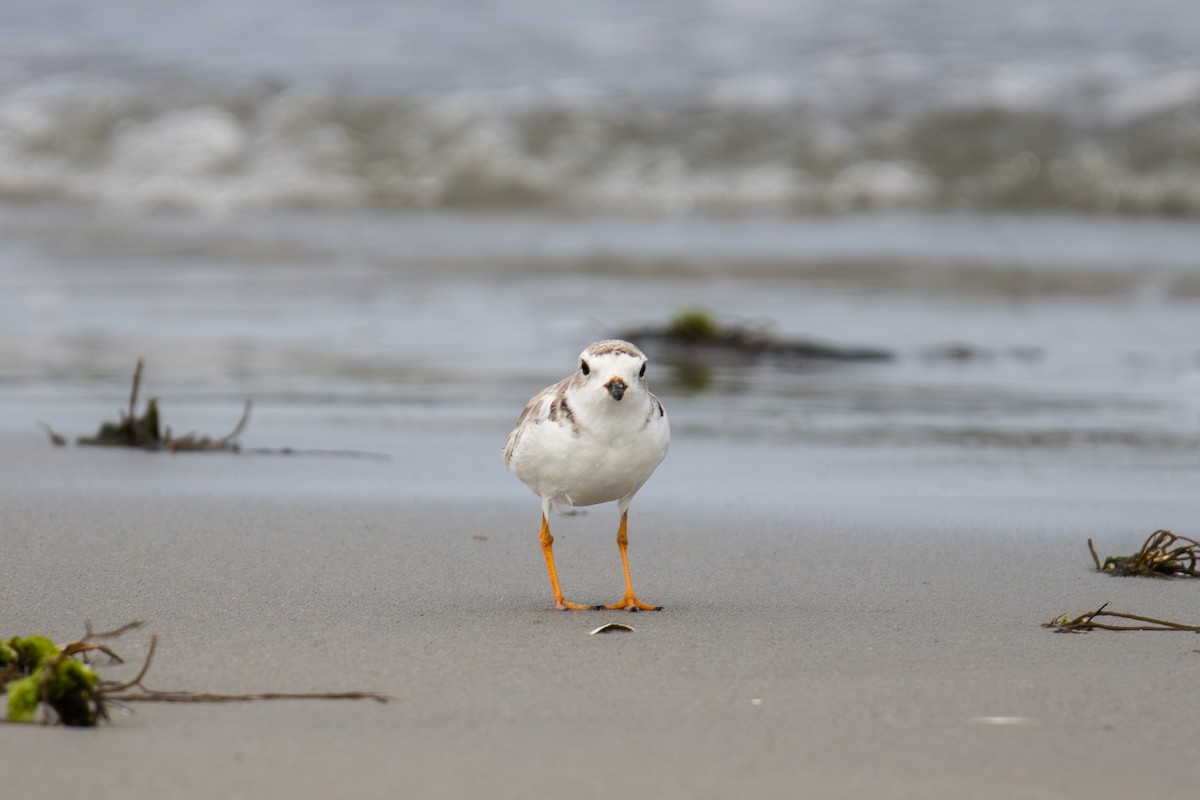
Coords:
592,457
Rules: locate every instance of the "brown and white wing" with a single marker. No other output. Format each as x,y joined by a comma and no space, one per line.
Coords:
542,407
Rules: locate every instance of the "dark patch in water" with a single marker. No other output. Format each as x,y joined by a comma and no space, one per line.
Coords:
695,337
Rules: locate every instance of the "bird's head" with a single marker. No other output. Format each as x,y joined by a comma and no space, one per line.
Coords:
611,367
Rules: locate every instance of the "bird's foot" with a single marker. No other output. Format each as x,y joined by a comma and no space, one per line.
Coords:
631,603
566,605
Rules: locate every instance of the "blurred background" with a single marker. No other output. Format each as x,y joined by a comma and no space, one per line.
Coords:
389,222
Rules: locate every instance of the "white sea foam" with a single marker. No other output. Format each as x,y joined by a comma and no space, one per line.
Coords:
730,108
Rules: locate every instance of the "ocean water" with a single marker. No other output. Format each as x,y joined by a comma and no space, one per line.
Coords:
386,221
668,107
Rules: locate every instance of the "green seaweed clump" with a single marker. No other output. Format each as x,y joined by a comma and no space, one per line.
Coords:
35,671
9,667
8,656
65,685
32,651
71,692
23,697
692,324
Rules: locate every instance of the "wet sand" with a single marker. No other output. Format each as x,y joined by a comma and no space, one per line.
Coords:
832,653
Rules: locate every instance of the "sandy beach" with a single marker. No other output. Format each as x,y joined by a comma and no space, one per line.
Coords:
822,654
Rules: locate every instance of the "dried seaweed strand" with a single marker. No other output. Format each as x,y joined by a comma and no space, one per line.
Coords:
1064,623
133,390
120,687
119,692
90,634
191,442
155,696
56,438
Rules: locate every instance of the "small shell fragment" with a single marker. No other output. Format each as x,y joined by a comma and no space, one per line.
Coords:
611,627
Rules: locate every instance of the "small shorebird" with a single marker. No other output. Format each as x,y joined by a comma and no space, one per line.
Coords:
593,437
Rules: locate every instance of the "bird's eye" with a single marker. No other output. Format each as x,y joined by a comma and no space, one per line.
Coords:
642,373
584,368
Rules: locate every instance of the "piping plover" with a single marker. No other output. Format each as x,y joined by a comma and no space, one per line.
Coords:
594,437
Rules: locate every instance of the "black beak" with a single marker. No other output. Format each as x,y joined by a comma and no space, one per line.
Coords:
616,387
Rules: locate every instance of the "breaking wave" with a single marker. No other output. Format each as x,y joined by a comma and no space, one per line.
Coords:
731,149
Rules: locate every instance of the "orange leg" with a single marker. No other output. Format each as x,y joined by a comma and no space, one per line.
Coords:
548,551
630,601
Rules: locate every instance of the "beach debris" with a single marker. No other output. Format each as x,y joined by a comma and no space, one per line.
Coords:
963,352
696,330
1163,555
56,438
147,433
56,683
37,674
1084,623
612,627
694,324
